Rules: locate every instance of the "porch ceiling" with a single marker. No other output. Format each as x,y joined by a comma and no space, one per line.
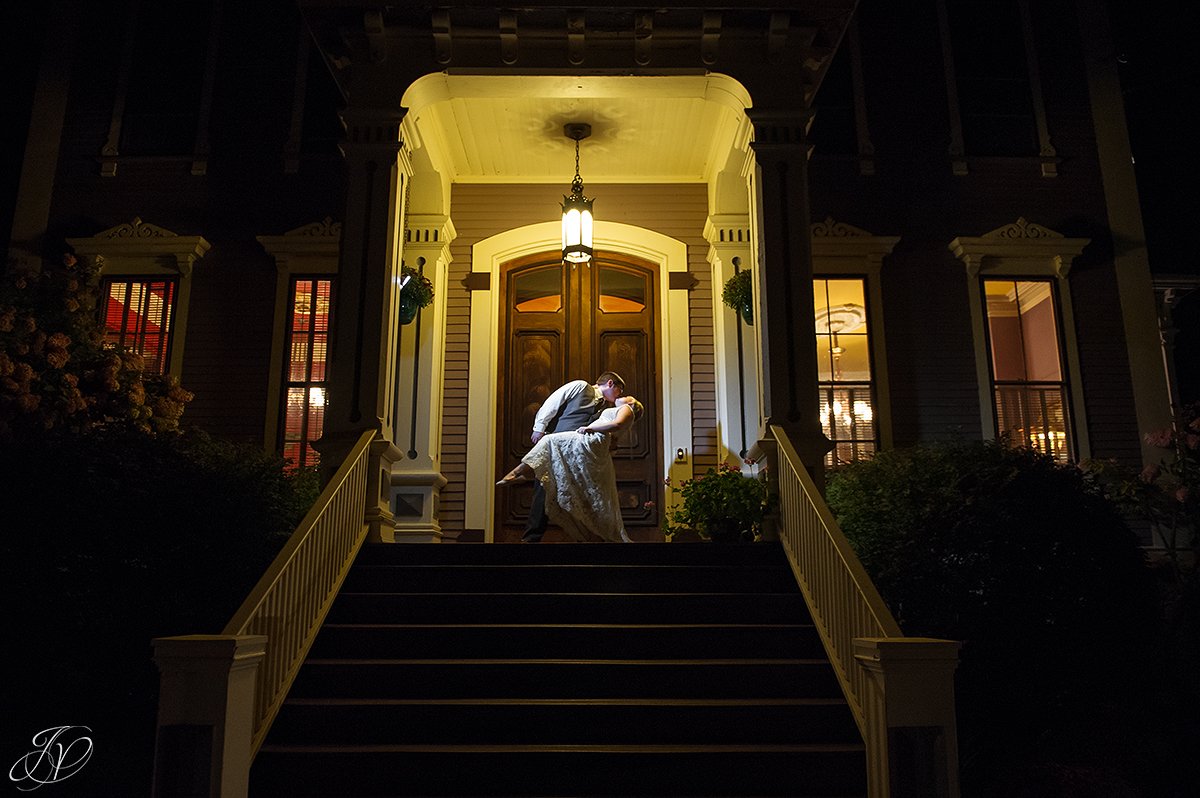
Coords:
644,129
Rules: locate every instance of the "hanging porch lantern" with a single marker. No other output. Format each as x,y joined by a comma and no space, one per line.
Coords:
577,209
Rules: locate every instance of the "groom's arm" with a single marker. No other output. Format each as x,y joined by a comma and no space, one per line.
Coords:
552,405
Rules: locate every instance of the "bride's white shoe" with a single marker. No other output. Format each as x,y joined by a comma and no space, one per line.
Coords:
625,538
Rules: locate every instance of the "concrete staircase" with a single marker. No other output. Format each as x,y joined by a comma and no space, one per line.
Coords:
564,670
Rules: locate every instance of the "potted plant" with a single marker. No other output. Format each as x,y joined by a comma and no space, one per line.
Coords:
721,505
739,295
416,293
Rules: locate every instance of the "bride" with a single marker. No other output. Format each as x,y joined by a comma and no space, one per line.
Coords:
576,470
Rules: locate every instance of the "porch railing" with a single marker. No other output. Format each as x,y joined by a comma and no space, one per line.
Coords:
290,602
894,685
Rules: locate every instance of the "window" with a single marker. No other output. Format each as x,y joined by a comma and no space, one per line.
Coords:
1026,353
137,316
851,349
307,347
992,72
621,291
162,106
848,406
539,291
145,285
1025,358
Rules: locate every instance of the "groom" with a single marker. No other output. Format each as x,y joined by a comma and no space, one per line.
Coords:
570,407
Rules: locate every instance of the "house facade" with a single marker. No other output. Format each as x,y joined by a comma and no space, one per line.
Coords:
934,201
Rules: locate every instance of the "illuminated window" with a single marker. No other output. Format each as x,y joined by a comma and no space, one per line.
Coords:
137,316
848,407
621,291
539,290
1026,365
307,348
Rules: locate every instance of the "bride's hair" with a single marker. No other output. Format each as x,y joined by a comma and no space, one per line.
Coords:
636,406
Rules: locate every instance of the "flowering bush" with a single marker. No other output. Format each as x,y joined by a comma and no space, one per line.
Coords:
1165,494
720,504
55,371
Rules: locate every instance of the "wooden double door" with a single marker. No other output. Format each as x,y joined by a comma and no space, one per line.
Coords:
561,323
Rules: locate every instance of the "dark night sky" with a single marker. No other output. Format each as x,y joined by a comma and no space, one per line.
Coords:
1159,81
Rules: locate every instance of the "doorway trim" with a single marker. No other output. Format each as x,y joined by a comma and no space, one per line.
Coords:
487,255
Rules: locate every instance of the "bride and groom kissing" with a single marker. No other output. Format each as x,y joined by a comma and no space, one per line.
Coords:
571,460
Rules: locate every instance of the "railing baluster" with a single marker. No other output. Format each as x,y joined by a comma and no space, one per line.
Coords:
290,601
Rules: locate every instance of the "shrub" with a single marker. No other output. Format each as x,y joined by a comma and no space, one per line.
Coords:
114,537
55,371
720,503
1024,561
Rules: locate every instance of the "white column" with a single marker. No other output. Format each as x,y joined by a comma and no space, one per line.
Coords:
416,479
735,342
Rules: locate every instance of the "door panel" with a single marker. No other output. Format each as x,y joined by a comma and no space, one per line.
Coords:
561,324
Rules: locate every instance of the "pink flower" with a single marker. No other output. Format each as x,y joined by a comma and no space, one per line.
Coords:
666,481
1192,440
60,340
57,358
69,260
647,504
1181,495
1150,473
1160,438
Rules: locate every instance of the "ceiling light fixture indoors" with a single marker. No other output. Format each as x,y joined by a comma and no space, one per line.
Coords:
577,209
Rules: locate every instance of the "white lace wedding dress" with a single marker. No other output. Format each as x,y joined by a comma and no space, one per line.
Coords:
577,473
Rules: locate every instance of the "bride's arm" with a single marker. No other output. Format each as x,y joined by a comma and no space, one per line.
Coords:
623,419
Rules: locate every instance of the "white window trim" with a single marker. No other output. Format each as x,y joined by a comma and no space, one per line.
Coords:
140,250
311,249
840,249
1024,250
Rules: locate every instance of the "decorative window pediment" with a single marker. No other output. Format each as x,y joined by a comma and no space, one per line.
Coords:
138,247
1020,247
311,247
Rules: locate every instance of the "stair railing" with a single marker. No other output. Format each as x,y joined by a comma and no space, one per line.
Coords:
900,689
218,694
292,598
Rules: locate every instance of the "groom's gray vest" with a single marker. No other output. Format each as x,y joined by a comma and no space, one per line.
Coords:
578,411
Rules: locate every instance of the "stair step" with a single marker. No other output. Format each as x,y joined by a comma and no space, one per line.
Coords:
575,641
745,771
559,670
476,607
557,578
565,722
573,554
564,678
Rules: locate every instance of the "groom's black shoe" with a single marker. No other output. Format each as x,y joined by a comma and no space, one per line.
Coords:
531,537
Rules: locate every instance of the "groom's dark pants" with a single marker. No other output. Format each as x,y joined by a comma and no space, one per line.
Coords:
535,527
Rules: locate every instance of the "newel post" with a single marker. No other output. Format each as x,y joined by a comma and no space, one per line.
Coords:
205,714
913,731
